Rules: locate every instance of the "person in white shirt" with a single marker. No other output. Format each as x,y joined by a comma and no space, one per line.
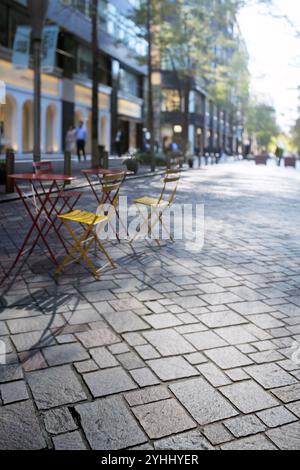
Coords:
81,138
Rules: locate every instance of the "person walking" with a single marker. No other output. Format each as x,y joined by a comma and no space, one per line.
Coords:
81,138
118,143
279,154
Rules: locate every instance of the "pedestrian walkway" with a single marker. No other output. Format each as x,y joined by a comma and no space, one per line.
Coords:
172,350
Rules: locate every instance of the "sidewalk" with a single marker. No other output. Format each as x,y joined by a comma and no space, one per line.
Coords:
172,350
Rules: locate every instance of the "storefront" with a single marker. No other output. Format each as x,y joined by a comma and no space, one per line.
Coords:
130,120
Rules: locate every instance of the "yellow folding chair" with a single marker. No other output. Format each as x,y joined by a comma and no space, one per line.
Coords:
158,206
91,224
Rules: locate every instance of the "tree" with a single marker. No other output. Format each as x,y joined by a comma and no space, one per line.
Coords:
261,123
296,135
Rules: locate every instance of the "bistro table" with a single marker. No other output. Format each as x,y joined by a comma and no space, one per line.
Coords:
98,175
45,193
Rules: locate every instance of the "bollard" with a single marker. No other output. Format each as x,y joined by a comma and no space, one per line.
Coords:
101,150
105,159
67,165
10,169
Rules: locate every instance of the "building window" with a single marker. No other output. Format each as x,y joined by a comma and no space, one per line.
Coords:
84,62
170,101
129,83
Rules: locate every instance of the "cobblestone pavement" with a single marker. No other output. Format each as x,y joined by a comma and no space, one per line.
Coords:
171,350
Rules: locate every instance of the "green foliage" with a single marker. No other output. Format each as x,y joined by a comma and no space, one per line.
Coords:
296,135
145,159
261,123
132,164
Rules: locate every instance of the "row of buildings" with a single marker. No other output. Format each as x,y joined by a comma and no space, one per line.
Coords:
66,91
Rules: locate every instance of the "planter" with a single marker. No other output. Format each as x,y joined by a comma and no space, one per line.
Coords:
261,159
290,162
132,165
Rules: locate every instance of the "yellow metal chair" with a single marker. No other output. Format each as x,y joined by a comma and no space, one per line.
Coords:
82,244
158,205
111,184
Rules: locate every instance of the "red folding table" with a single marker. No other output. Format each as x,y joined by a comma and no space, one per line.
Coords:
45,190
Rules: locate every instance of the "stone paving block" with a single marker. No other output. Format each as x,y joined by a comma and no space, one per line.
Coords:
168,342
55,386
119,348
69,441
288,394
220,298
190,302
295,408
125,305
270,375
205,340
32,360
144,377
109,425
236,335
171,368
125,321
247,294
228,357
286,437
32,340
103,358
236,375
219,319
191,440
65,353
266,321
163,418
217,433
148,395
251,308
147,352
86,366
259,442
244,426
108,382
196,358
20,429
82,316
275,417
37,323
94,338
59,420
162,320
134,339
214,375
10,372
14,391
248,396
204,403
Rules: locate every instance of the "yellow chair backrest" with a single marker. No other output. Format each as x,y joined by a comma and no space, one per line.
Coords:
171,176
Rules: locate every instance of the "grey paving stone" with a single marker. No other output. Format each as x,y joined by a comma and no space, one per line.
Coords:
172,368
58,421
82,316
288,394
94,338
266,321
246,293
125,321
32,340
286,437
148,395
205,340
168,342
14,391
236,335
266,356
276,416
65,353
130,361
109,425
196,358
55,386
3,328
259,442
103,358
217,433
163,418
86,366
191,440
190,302
162,320
37,323
248,396
119,348
134,339
228,357
243,426
10,372
126,304
219,319
144,377
108,382
251,308
20,429
204,403
220,298
236,375
147,352
32,360
295,408
69,441
270,375
214,375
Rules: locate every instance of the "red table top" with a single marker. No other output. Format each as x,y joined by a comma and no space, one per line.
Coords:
41,177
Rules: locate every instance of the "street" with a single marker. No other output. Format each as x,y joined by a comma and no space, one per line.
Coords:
172,349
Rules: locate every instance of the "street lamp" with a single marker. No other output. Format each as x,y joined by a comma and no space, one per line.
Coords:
37,11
